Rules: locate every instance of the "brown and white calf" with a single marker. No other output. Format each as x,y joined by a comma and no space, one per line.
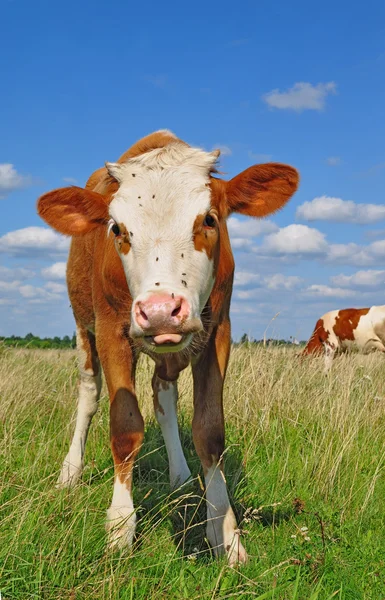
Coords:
151,269
350,328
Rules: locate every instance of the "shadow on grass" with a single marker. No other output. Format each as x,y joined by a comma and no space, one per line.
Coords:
183,511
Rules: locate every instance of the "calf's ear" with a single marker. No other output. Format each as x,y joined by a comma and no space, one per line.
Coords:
73,210
261,190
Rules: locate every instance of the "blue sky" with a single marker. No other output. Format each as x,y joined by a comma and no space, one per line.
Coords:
293,82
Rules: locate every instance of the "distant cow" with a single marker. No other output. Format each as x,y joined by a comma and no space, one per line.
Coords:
151,269
341,330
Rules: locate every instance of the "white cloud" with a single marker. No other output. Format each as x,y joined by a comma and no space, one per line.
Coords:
282,282
333,161
259,158
302,96
55,288
34,241
349,254
19,273
11,180
70,180
9,286
370,278
249,228
378,248
325,291
244,278
225,150
34,294
326,208
241,244
375,233
276,281
295,239
55,271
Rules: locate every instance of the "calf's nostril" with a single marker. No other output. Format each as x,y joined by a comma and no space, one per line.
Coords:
143,315
176,311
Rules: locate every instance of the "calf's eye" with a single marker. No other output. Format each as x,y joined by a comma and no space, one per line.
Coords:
115,229
209,221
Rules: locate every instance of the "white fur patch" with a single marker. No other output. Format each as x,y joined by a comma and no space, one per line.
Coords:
222,531
161,193
121,517
166,416
89,392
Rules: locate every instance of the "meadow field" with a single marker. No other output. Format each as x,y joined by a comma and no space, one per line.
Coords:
304,463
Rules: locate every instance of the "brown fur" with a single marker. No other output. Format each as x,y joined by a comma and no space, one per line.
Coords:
347,321
205,239
317,339
102,303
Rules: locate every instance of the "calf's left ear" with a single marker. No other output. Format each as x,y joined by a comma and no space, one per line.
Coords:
261,190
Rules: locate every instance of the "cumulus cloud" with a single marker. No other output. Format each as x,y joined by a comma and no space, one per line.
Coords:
55,271
35,294
282,282
18,273
34,241
333,161
350,254
276,281
244,278
248,228
361,279
375,233
295,239
9,286
11,180
326,291
326,208
241,244
302,96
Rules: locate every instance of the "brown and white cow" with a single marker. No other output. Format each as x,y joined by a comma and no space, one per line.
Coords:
350,328
151,269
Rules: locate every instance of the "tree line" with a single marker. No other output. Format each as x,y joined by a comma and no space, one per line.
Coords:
34,341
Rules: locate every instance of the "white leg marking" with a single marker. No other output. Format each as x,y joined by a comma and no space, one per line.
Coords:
89,392
329,355
222,531
121,517
166,415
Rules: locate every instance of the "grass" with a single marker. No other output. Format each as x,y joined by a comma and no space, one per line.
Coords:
304,463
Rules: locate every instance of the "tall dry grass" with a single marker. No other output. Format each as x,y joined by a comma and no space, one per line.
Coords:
305,459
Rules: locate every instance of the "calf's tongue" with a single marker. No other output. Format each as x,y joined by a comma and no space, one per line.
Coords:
173,338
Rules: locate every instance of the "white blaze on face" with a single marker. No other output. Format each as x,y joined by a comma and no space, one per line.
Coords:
161,193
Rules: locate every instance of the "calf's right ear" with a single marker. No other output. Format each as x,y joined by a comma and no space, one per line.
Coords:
73,210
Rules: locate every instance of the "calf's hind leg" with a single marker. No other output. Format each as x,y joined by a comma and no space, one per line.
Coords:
165,406
89,393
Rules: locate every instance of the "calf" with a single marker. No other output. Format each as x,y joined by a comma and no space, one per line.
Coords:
341,330
150,270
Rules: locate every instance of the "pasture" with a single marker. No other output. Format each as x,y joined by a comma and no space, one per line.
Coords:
304,464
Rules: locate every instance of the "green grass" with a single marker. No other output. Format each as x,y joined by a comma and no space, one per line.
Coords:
304,464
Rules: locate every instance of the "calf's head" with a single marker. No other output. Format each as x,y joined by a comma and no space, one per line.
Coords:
167,216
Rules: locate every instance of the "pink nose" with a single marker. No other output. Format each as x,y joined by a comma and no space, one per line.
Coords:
161,313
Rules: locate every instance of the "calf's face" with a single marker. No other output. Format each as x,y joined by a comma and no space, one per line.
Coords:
166,233
165,218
